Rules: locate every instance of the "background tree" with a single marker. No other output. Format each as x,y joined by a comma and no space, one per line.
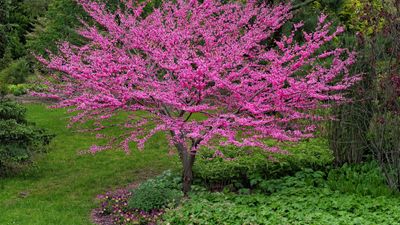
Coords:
207,59
16,22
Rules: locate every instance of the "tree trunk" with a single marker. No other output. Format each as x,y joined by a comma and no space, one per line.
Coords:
187,176
187,159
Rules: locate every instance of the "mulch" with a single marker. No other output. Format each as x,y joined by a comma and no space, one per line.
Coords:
28,99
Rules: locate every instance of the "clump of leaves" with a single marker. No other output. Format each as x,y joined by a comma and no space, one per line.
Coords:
364,179
156,193
238,168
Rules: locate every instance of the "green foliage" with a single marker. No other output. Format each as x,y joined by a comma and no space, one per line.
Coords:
363,179
12,111
5,58
305,198
353,15
18,89
157,193
304,178
58,23
290,206
384,136
3,89
244,168
16,73
61,21
19,139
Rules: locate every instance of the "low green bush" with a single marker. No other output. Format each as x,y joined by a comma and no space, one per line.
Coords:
12,111
156,193
18,89
20,140
246,168
16,73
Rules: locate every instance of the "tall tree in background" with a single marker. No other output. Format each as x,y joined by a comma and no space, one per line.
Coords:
3,27
16,21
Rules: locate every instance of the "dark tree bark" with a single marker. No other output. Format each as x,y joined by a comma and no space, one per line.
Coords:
187,176
187,159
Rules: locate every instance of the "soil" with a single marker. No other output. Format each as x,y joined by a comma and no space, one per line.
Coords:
26,99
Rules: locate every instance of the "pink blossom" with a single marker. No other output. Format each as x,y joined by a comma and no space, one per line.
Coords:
205,59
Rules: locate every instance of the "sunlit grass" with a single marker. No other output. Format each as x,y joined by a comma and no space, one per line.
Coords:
62,186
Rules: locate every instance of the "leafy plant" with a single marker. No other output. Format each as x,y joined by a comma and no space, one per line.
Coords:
293,200
247,168
156,193
16,73
19,139
18,89
363,179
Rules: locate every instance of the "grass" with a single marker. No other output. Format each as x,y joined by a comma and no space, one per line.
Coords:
62,186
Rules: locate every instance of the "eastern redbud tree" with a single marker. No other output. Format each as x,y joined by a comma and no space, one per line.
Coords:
200,58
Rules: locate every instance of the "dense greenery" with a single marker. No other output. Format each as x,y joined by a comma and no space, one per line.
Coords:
156,193
297,205
244,168
20,140
349,195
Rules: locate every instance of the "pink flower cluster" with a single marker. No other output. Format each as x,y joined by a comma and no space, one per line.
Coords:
210,59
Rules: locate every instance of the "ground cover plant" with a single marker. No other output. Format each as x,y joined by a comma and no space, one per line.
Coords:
308,197
299,205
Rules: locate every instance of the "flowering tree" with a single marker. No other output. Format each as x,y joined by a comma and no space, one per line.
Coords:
204,58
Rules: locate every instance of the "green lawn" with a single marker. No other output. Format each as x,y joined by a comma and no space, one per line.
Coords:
62,187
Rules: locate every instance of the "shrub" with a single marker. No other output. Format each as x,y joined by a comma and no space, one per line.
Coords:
16,73
156,193
12,111
249,167
18,89
20,140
